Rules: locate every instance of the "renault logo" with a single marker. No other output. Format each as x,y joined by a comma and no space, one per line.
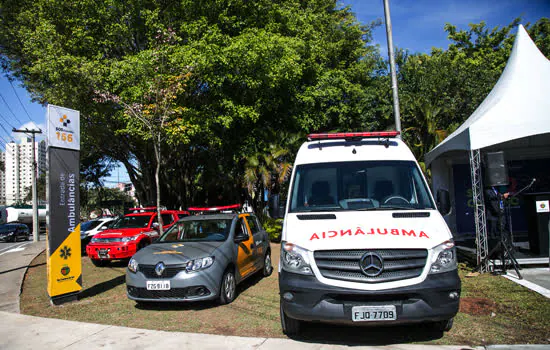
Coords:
159,269
371,264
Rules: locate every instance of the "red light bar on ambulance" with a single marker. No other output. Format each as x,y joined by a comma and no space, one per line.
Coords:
352,135
212,209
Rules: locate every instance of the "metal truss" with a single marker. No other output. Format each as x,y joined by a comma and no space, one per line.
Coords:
479,211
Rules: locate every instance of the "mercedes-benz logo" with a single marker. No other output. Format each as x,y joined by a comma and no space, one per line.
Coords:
371,264
159,269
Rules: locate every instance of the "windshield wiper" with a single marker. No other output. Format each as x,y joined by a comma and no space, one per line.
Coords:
386,208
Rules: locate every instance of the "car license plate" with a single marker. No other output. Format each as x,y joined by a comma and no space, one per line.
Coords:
373,313
158,285
103,254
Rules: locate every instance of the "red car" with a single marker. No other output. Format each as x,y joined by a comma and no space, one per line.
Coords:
129,234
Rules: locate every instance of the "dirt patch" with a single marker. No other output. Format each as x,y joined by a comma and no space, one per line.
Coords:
477,306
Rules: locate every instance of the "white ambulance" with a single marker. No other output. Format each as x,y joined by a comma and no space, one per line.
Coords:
363,241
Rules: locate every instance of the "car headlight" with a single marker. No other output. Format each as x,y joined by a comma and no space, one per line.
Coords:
133,265
295,259
128,239
444,258
199,264
94,240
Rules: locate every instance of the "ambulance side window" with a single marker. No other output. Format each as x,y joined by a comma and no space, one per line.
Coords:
167,219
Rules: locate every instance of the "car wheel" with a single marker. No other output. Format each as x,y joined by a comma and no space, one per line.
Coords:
444,326
289,325
14,238
268,268
228,288
99,263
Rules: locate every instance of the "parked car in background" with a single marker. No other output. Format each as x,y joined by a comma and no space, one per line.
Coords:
129,234
14,231
90,228
202,257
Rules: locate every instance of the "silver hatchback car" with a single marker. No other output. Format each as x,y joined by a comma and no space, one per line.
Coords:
201,257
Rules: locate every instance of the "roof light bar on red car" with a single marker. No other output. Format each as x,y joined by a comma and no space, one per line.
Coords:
352,135
143,209
226,207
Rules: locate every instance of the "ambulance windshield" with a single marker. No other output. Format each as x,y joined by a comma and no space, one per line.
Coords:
366,185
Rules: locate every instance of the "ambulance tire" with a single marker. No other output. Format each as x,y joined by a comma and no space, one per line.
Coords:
444,326
268,267
228,288
289,325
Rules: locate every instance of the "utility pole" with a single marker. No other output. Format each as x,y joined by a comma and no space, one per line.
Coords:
35,230
396,113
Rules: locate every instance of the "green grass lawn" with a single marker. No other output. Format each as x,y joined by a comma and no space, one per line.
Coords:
494,310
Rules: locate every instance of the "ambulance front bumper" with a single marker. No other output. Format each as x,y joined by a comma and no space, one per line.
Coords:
305,298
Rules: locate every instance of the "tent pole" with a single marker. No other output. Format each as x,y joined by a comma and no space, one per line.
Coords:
479,211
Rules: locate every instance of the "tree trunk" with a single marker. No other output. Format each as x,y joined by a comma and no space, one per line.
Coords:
156,144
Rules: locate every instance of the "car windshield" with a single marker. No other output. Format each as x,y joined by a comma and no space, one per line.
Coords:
89,225
198,231
366,185
134,221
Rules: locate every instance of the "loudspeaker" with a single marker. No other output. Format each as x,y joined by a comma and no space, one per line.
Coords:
496,172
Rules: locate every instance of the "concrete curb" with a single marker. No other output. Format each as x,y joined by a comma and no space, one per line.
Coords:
30,332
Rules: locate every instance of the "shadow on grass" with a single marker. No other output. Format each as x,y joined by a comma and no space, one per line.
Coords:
197,305
102,287
360,335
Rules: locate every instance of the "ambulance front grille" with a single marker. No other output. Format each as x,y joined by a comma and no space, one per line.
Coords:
344,265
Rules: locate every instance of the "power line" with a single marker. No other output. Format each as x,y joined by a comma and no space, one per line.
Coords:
16,95
9,108
2,126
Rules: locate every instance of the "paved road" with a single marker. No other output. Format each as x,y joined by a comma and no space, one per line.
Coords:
14,260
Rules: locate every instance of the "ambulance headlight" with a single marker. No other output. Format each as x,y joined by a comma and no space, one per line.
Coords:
295,259
444,258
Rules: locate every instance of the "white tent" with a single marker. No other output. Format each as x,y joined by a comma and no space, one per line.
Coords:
517,107
514,117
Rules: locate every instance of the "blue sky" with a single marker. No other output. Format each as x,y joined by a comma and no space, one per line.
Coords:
417,26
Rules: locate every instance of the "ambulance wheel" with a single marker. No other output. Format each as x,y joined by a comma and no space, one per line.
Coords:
228,288
289,325
444,326
268,268
99,263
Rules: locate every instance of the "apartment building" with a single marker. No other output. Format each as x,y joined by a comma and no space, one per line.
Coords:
17,176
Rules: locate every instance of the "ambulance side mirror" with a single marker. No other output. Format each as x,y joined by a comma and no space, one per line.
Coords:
443,202
274,207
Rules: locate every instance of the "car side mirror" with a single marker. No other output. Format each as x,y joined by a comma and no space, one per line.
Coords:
443,202
241,238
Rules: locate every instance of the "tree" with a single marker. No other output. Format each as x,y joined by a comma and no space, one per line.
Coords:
439,91
292,66
150,109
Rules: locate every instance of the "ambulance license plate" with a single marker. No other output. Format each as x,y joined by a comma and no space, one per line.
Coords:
158,285
373,313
